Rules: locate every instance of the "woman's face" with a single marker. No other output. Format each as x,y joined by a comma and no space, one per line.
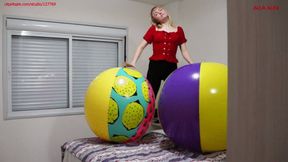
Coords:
160,14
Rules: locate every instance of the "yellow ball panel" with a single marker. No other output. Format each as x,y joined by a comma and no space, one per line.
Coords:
97,102
213,106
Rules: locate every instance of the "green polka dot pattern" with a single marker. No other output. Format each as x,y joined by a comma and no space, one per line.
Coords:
112,111
133,73
133,115
124,86
119,138
145,91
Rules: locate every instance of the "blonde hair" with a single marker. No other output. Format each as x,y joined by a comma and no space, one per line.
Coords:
156,22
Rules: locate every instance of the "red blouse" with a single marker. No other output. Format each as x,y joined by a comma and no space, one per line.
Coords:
165,43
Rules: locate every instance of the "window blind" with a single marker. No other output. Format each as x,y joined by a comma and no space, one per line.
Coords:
89,58
39,68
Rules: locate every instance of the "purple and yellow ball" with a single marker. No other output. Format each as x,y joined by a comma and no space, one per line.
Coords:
119,105
193,107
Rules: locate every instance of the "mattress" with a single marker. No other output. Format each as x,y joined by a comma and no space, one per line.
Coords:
153,146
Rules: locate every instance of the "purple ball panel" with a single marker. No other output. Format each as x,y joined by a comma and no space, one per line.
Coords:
179,107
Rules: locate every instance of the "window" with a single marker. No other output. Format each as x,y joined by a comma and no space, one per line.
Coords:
49,65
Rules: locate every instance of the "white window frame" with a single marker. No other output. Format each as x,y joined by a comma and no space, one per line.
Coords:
21,30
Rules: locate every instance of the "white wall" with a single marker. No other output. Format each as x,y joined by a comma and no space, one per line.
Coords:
205,26
39,139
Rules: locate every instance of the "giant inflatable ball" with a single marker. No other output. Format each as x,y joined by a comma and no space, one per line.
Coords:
119,105
193,107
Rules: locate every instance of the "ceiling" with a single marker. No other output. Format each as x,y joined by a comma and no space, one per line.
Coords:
155,2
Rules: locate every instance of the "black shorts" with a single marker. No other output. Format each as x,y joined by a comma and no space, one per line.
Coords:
157,71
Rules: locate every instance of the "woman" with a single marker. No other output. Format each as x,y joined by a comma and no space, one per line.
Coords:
165,39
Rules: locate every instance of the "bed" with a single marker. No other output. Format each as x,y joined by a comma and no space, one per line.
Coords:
154,146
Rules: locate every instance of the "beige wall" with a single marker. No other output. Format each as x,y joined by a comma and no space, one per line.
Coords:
205,25
39,139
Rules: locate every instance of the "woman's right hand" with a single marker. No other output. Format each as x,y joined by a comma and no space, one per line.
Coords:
129,65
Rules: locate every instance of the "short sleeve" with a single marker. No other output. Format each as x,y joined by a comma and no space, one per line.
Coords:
149,34
182,38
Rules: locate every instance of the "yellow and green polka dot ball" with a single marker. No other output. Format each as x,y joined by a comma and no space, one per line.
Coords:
119,105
